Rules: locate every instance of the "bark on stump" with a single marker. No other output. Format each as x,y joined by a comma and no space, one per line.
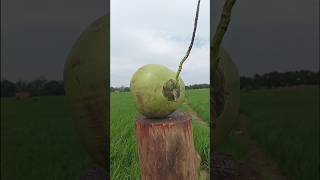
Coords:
166,148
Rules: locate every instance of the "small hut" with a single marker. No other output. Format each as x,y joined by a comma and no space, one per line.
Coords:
23,95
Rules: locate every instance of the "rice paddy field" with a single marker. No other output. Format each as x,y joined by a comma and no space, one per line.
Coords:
38,140
283,123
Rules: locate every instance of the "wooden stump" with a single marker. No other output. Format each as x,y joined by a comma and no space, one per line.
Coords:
166,148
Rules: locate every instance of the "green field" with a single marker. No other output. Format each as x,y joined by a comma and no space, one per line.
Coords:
38,140
285,123
199,101
124,157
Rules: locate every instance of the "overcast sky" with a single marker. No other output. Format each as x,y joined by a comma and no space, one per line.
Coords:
263,35
37,35
272,35
159,32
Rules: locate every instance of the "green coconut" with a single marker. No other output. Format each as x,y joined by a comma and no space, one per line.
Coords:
227,96
85,76
155,91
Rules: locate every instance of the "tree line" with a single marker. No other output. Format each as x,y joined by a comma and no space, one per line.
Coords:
127,89
37,87
276,79
43,87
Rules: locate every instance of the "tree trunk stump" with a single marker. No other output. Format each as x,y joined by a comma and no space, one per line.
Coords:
166,148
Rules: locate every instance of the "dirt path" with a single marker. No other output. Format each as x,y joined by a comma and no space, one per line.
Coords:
196,116
257,158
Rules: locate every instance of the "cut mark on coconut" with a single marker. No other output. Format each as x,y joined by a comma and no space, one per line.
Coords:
171,90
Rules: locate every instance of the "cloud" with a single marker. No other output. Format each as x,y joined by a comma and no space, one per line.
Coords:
158,32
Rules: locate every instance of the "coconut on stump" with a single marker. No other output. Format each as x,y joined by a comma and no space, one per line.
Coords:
166,148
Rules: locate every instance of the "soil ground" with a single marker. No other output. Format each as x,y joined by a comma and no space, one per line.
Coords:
196,117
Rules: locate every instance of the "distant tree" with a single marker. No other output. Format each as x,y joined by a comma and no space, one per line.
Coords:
8,88
246,83
36,86
276,79
198,86
22,86
126,89
53,88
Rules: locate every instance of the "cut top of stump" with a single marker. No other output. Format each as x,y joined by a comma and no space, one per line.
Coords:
175,117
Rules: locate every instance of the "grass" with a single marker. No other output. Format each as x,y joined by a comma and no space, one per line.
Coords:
199,100
235,146
285,122
38,140
202,143
124,157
